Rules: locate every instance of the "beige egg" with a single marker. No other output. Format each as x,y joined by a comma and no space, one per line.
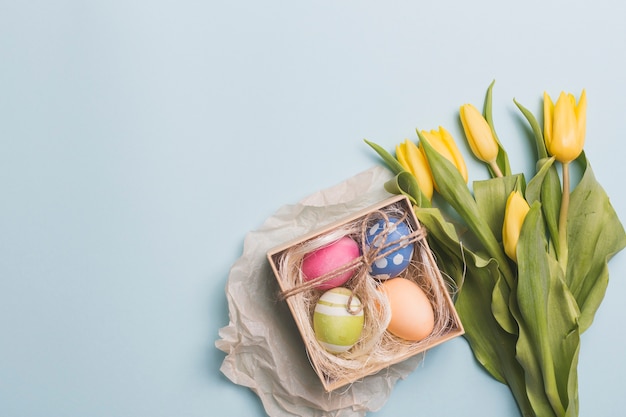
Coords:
412,316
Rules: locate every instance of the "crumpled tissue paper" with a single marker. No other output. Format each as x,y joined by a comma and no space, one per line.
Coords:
263,345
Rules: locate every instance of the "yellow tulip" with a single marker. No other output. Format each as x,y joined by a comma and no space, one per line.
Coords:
479,136
412,160
514,214
564,126
441,140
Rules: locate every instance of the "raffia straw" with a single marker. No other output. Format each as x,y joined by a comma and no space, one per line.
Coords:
376,346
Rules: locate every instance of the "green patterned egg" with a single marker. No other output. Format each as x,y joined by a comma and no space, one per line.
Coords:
336,328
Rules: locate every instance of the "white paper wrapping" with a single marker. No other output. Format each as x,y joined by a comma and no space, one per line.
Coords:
264,349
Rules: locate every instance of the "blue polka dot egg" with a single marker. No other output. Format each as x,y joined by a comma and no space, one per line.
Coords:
397,258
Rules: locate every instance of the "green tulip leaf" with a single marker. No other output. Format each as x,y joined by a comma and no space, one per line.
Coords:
391,162
473,303
452,187
393,186
452,267
533,190
500,306
444,242
534,125
551,204
548,343
594,235
493,347
502,160
405,183
491,196
545,187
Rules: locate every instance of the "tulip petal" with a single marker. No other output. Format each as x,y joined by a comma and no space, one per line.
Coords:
478,133
581,117
401,157
514,215
441,140
455,153
419,168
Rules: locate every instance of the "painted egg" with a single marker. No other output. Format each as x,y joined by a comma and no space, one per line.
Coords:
396,261
412,316
327,259
336,328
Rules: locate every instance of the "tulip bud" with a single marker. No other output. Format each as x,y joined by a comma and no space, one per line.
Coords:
564,126
413,161
514,214
441,140
479,134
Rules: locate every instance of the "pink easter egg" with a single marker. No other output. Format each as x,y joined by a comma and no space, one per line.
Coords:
328,258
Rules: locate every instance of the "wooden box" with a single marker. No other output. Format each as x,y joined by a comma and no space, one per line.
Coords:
425,274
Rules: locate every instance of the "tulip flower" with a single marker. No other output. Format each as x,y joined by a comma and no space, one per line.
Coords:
480,137
564,126
441,140
413,161
514,214
564,135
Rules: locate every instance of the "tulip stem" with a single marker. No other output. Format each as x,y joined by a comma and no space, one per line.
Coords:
495,168
563,251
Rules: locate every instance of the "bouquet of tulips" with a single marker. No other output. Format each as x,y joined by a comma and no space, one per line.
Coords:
529,259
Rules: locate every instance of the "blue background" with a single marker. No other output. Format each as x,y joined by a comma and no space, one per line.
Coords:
141,140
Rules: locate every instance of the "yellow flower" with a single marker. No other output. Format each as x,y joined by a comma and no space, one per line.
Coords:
413,161
478,133
514,214
564,126
441,140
